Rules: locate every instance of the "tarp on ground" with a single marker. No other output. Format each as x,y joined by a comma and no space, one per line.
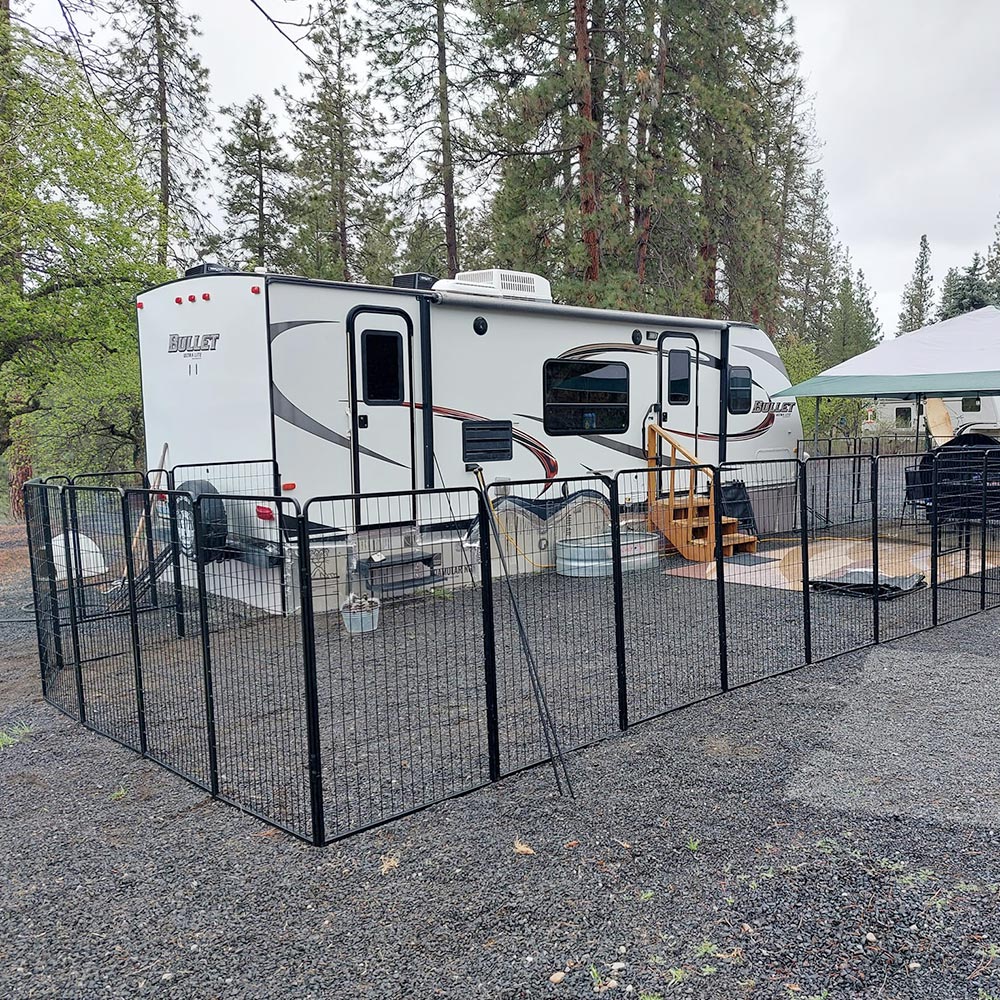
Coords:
959,357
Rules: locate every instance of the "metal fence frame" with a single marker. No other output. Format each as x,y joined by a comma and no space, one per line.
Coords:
174,633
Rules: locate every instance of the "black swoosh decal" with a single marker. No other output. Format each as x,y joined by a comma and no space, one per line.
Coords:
285,409
276,329
605,442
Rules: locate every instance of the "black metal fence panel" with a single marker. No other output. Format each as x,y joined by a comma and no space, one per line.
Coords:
759,558
554,616
402,672
671,613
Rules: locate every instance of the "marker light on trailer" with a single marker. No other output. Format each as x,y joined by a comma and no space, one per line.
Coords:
205,296
288,486
191,298
138,305
178,300
264,513
255,289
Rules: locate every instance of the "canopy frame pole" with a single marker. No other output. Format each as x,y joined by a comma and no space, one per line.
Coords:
920,413
816,427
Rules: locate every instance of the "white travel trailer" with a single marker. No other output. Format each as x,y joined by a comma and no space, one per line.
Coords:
356,388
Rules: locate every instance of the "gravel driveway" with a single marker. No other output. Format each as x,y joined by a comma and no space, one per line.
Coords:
826,834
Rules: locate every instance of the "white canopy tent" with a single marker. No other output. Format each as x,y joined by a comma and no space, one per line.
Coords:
959,357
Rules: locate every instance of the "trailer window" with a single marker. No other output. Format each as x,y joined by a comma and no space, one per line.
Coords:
904,416
972,404
584,397
382,367
740,389
678,377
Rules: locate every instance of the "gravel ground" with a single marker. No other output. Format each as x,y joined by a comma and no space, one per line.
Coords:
827,834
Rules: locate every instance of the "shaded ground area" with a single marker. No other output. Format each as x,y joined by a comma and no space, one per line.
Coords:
827,834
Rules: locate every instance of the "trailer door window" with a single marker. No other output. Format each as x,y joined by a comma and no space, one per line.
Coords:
740,389
584,397
972,404
382,367
678,377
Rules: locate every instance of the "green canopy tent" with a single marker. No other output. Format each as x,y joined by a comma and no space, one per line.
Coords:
959,357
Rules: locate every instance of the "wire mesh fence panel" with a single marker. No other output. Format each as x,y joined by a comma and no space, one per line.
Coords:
399,644
904,544
554,617
43,517
168,638
757,513
253,658
959,508
841,554
669,591
257,477
989,539
95,544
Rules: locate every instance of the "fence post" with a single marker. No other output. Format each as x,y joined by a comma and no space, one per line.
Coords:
133,617
70,587
720,577
803,480
206,651
311,687
935,539
619,593
982,535
873,477
489,638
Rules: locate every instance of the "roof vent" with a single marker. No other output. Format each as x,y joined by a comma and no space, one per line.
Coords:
498,282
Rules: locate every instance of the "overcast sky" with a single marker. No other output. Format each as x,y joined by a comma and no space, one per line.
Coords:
907,101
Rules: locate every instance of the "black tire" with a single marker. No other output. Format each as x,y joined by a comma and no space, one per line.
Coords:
214,527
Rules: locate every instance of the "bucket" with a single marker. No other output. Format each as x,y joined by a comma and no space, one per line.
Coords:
593,556
357,622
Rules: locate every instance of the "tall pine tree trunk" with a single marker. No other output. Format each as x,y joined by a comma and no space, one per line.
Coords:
652,154
163,233
585,146
341,197
261,235
447,167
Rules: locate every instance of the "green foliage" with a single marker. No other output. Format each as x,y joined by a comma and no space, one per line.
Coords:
13,735
73,253
965,290
255,172
918,295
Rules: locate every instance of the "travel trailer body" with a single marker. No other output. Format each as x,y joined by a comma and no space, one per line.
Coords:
363,389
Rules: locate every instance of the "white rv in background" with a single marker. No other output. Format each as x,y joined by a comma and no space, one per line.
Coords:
356,388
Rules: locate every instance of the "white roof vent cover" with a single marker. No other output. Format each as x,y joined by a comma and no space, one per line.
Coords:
497,281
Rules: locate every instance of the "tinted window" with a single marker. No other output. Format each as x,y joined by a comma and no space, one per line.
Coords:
971,404
382,367
678,377
740,390
903,416
585,397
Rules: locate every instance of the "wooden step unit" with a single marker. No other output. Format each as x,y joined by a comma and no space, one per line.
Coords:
685,517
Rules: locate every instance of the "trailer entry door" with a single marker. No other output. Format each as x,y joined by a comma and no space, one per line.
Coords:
382,413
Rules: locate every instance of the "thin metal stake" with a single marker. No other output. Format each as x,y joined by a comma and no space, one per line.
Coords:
720,578
133,615
804,542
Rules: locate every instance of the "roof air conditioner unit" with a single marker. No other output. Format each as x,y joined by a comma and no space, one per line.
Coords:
500,283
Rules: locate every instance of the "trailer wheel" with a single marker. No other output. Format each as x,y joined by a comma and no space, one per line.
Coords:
214,528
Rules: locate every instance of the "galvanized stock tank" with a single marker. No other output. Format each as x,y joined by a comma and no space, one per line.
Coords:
593,555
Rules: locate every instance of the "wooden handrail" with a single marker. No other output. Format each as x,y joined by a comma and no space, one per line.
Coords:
654,431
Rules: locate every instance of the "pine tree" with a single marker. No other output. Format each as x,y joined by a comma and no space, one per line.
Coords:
965,290
854,326
161,92
336,195
918,295
420,54
993,265
255,172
